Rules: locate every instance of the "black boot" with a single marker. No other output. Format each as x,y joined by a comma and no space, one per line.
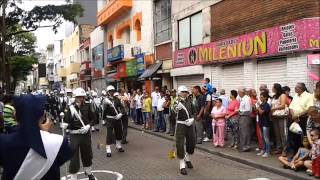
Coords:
124,142
189,164
91,177
183,171
108,154
121,150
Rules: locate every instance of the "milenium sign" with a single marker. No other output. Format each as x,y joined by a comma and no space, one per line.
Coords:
297,36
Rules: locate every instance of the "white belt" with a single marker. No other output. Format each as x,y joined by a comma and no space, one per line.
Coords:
182,122
111,117
75,131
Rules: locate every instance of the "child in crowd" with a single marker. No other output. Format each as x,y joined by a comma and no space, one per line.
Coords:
313,165
300,157
218,114
264,123
147,111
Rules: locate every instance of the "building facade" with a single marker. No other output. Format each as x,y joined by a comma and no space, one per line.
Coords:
128,42
253,43
70,64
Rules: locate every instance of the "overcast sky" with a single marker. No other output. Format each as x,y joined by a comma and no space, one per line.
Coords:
45,36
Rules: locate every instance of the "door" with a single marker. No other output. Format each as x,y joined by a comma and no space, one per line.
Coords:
232,77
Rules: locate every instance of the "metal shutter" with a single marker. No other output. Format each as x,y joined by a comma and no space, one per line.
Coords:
190,81
272,71
232,77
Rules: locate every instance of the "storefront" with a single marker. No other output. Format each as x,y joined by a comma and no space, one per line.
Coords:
274,55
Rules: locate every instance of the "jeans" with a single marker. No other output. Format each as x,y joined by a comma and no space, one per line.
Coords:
167,122
146,119
139,119
155,117
265,131
199,130
133,114
161,122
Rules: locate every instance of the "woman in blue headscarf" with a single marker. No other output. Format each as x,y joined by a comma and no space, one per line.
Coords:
32,152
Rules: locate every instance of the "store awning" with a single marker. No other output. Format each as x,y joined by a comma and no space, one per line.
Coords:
153,68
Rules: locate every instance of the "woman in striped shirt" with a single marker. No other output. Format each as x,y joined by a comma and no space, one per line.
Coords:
9,115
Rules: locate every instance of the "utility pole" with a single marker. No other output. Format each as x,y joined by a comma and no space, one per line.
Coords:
3,43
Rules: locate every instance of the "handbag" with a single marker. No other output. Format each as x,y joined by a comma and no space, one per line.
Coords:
281,112
295,128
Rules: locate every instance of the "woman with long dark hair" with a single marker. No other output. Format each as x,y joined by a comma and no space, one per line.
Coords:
279,115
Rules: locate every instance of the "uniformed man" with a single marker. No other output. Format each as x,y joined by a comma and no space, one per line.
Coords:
70,99
125,103
80,118
184,129
95,102
113,112
62,102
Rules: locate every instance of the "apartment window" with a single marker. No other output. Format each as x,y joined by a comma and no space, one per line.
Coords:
126,36
190,31
162,19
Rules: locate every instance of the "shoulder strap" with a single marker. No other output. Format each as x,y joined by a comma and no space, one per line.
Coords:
185,109
75,113
113,106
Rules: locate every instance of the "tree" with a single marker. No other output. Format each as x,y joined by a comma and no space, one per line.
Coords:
20,67
16,27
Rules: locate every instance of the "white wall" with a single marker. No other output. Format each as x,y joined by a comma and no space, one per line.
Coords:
146,42
96,37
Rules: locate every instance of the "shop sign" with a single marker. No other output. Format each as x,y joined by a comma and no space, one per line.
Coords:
135,51
115,53
121,70
97,57
140,63
313,59
297,36
131,68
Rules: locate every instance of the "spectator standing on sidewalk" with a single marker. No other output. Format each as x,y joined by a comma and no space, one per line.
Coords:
173,114
138,101
166,112
218,114
9,115
299,113
264,123
147,111
287,90
133,106
207,123
244,121
224,98
160,119
208,85
199,106
254,118
155,96
279,113
232,118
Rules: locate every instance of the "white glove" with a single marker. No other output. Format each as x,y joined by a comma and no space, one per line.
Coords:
119,116
85,129
189,121
64,125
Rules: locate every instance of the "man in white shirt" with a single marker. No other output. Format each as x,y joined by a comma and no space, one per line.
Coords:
224,98
244,121
138,100
160,126
155,95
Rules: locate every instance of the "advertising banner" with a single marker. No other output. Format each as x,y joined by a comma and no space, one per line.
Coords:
131,68
140,63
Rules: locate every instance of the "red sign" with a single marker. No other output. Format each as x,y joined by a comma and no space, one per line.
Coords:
297,36
121,70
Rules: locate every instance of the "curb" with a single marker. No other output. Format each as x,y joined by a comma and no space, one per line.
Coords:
270,169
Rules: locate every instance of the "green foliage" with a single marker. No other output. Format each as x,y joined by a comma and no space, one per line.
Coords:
22,44
21,66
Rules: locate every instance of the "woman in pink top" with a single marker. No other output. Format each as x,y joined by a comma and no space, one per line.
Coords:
232,118
218,114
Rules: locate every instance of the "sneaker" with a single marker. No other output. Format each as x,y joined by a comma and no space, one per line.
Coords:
257,149
260,153
206,139
265,155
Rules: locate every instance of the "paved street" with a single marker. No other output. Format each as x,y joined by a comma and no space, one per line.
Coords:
146,158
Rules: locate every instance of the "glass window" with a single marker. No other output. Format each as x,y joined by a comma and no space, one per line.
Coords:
184,33
162,20
196,29
190,31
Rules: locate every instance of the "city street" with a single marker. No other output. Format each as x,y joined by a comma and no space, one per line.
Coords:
146,158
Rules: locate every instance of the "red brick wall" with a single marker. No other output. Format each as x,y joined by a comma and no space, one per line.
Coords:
236,17
163,51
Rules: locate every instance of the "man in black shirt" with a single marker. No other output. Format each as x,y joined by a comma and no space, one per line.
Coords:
199,106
